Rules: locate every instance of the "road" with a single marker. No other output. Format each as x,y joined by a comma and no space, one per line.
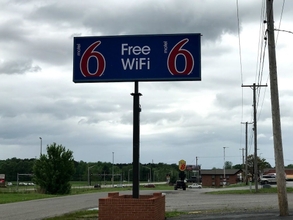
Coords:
189,200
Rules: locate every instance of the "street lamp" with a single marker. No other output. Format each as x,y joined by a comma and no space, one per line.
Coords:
154,176
150,177
224,180
88,175
112,169
128,174
40,147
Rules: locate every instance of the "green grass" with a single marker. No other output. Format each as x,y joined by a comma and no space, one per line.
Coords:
19,197
24,193
85,214
93,214
236,185
174,214
247,191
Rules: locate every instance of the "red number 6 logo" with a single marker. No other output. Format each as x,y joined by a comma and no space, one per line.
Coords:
172,58
84,62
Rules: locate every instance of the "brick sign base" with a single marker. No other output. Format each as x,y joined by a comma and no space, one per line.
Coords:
124,207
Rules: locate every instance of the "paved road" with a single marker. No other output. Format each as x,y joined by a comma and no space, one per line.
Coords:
38,209
190,200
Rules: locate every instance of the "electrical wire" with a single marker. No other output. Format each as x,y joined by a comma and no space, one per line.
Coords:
281,17
262,63
241,69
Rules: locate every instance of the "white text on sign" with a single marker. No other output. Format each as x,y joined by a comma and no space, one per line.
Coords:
138,63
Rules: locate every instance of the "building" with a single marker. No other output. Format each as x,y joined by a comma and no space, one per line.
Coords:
288,172
215,177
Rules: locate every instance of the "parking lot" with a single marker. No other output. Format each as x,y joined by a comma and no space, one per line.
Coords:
227,206
195,201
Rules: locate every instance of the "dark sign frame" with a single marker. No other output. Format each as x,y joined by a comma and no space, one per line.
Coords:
129,58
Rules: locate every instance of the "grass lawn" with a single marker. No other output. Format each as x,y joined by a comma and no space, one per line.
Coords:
14,194
247,191
85,214
93,214
20,197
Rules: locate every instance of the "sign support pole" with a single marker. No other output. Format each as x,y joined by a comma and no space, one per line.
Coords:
136,141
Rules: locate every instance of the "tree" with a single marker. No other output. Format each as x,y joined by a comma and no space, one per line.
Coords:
238,166
52,172
228,165
261,163
289,166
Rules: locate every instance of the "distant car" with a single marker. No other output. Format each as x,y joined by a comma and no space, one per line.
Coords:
268,179
9,184
119,185
180,184
149,185
97,186
195,186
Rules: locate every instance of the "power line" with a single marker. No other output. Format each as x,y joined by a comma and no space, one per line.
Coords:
239,41
260,41
240,63
262,59
282,11
290,32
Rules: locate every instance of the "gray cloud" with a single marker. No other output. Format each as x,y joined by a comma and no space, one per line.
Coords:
18,67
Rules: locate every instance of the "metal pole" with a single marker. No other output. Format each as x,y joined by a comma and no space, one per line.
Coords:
278,147
151,174
246,145
17,179
224,180
196,165
88,176
112,169
136,140
41,147
242,167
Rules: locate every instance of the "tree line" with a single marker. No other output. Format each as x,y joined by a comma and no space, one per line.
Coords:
102,171
53,171
98,171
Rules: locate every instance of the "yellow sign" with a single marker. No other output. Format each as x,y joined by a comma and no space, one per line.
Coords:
182,165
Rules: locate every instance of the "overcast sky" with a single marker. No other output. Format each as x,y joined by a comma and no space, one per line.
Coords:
179,120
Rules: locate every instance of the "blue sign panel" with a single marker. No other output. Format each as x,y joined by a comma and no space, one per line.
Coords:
173,57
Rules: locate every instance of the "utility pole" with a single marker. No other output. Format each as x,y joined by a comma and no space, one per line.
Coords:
197,167
279,158
255,132
246,144
242,149
41,146
224,179
242,167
